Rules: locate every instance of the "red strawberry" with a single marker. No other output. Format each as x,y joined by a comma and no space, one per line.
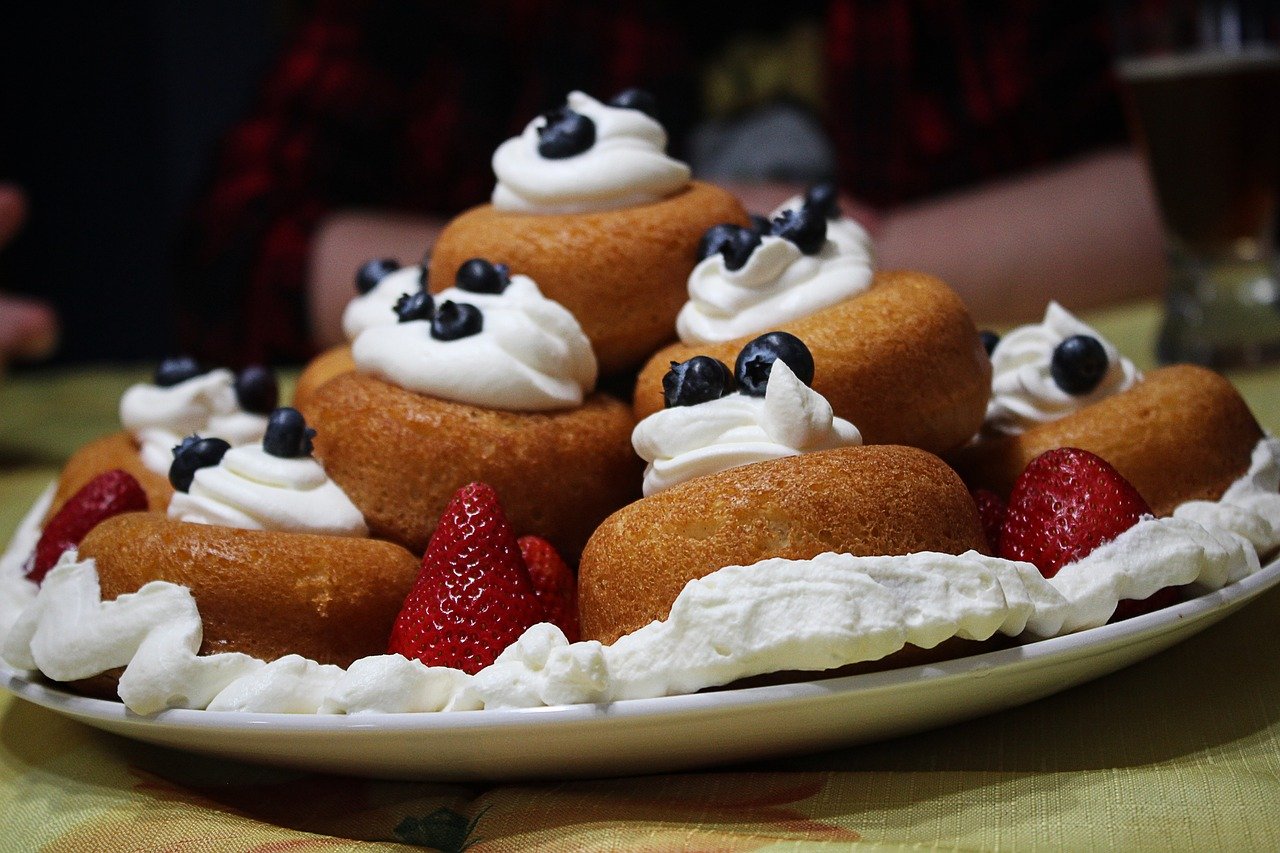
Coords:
991,511
105,495
472,597
1160,599
555,584
1066,503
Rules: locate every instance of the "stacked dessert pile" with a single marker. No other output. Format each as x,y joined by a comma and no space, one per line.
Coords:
820,465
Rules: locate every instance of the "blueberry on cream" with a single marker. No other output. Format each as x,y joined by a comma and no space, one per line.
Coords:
989,340
193,454
782,269
755,361
186,400
587,156
513,350
706,428
1078,364
1044,371
372,272
288,435
565,133
175,370
824,199
377,305
454,320
636,99
480,276
805,227
732,242
418,305
256,389
275,485
697,380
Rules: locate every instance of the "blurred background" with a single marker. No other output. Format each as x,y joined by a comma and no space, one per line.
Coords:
179,160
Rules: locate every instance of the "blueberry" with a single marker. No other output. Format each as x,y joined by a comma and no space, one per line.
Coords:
636,99
806,227
734,242
177,369
288,435
415,306
714,237
455,320
989,340
1078,364
374,271
479,276
697,380
193,454
424,277
565,134
823,199
761,224
256,389
755,362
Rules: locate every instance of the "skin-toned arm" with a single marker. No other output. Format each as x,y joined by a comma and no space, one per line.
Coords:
1085,233
28,327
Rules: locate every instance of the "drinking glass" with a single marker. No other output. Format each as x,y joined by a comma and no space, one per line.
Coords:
1201,84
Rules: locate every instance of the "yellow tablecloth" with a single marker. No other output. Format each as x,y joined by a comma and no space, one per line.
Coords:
1179,752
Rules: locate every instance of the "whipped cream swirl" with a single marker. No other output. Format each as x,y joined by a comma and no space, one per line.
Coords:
255,490
816,614
531,354
160,417
378,306
684,442
626,166
850,237
776,285
1023,392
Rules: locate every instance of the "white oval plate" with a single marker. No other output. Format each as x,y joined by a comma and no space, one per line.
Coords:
669,733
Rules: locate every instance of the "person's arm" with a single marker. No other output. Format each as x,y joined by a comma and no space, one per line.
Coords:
1085,233
28,327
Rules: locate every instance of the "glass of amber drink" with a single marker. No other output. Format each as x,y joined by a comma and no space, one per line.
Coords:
1201,82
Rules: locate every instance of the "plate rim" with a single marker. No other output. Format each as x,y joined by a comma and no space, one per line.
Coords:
1089,642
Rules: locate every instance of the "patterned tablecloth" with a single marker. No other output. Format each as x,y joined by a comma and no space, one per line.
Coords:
1181,751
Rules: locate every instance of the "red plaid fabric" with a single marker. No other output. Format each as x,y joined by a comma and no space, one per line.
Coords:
927,96
400,103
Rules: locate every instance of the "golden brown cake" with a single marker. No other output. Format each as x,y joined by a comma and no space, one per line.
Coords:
867,500
1182,433
264,593
400,456
902,361
117,450
321,369
622,273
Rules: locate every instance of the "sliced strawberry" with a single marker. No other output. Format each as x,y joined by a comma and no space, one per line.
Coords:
105,495
554,582
472,597
1066,503
991,511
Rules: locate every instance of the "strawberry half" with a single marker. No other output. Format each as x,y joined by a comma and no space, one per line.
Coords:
105,495
472,597
554,583
991,512
1066,503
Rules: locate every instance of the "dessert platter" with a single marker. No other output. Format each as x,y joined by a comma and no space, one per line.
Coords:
814,507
